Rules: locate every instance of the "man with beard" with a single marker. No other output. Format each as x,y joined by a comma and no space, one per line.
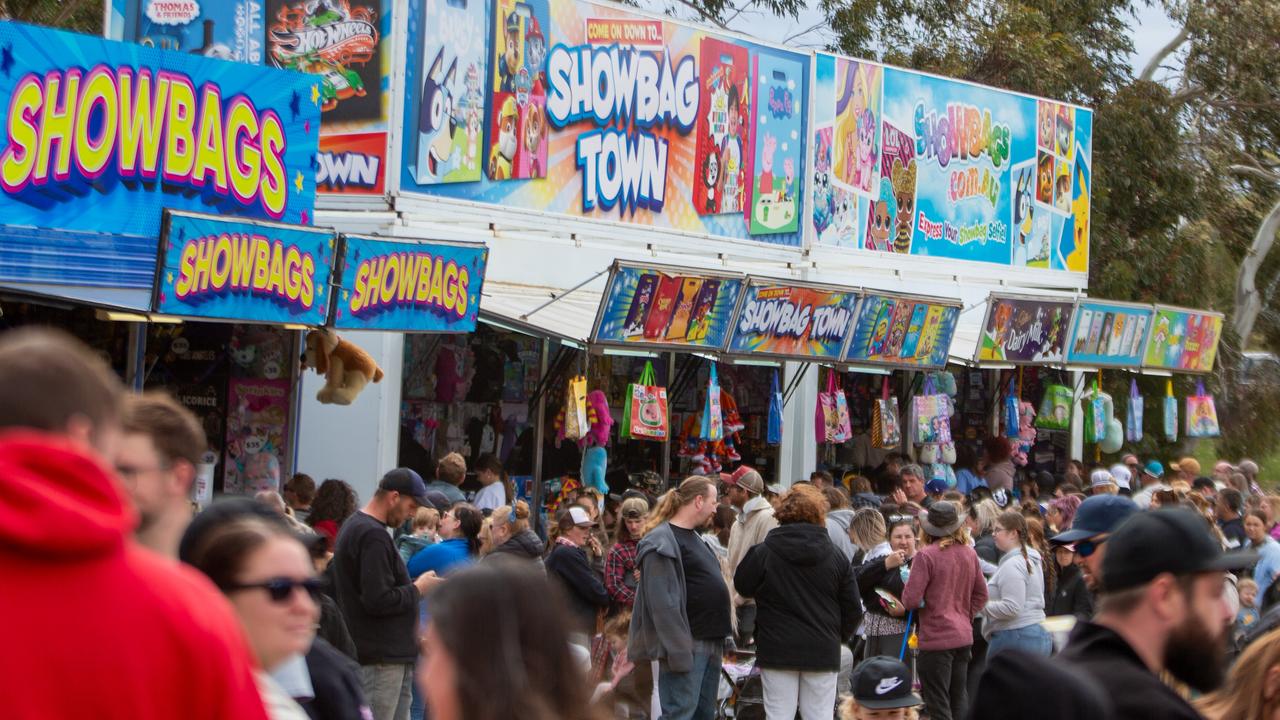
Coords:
1162,609
156,462
1091,527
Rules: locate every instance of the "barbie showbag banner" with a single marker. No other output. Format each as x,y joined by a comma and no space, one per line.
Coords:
598,112
909,163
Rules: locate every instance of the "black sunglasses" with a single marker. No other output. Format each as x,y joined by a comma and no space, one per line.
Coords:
280,589
1085,548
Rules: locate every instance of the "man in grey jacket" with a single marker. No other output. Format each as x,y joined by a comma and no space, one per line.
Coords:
681,614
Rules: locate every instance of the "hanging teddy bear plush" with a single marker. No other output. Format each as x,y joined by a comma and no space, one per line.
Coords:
346,368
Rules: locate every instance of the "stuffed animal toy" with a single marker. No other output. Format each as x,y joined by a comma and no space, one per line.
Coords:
1026,433
732,419
599,421
595,460
346,367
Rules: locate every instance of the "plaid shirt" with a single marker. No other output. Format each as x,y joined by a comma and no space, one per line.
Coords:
620,563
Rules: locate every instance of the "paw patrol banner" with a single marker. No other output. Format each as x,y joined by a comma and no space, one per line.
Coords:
225,269
1109,334
793,320
915,164
409,286
1184,340
903,332
666,307
599,112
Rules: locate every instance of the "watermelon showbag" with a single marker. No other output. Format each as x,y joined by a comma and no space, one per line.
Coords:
644,415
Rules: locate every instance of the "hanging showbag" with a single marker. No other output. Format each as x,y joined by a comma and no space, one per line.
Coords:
1133,414
931,416
575,408
712,419
773,435
1012,422
1055,408
1202,416
885,430
832,415
844,426
1170,413
645,411
1099,411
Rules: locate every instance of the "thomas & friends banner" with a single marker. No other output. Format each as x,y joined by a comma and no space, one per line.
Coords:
667,307
227,269
409,286
909,163
595,111
1022,330
903,331
1183,340
344,44
793,320
1109,333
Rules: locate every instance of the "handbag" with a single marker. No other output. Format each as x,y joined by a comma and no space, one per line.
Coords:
832,415
1202,416
1170,413
1133,414
931,413
773,434
712,419
885,433
575,408
1012,421
1055,408
1099,411
645,411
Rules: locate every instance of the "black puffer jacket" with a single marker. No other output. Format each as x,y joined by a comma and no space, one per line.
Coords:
1070,595
806,597
524,545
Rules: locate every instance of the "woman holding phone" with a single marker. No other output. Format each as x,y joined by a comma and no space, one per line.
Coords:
881,581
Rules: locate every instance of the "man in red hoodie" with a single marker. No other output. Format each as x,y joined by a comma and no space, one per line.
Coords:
95,625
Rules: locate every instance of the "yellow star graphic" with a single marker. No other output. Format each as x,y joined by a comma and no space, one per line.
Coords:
315,94
169,278
345,296
330,243
320,290
297,181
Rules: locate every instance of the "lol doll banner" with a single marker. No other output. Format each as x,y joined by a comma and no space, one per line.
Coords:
903,331
667,307
1185,340
803,321
914,164
595,111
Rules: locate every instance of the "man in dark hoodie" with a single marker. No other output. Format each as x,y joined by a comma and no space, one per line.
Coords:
79,591
808,606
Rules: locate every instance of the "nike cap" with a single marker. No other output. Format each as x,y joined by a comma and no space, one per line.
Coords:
883,683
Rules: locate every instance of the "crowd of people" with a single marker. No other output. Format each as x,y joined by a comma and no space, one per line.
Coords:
876,596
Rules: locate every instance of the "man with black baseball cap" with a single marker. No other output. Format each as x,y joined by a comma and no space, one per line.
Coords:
1162,609
378,601
1095,519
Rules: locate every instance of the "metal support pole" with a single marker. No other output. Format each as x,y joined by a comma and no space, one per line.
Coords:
666,442
539,422
136,361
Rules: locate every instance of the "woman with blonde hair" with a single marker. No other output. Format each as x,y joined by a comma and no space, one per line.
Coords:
1252,690
512,535
947,589
867,532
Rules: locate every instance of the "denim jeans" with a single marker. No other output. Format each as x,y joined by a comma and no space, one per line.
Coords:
692,695
1032,639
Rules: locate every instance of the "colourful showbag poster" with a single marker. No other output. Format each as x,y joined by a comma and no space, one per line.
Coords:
227,30
409,286
896,198
801,321
724,108
773,183
1183,340
1109,333
450,119
257,432
1023,330
903,331
228,269
667,307
518,113
857,124
632,124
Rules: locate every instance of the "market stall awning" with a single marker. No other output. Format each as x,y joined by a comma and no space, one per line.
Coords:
541,310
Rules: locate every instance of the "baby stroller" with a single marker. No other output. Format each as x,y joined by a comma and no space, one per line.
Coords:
741,693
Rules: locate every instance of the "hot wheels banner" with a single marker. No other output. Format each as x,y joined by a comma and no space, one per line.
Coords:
1025,330
345,43
595,111
409,287
903,331
793,320
1185,340
667,307
915,164
1107,333
242,270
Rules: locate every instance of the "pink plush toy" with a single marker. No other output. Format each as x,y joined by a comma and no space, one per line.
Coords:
598,419
1026,433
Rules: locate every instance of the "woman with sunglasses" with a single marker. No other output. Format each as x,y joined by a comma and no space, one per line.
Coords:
621,573
1015,605
881,581
267,575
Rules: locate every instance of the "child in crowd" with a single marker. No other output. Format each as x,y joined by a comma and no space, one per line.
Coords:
425,522
621,685
881,691
1248,614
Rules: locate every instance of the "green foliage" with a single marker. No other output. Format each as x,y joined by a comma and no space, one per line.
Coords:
80,15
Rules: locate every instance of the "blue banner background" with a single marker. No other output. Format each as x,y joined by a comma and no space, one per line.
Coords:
1089,339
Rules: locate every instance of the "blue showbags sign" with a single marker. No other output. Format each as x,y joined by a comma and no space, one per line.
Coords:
244,270
409,286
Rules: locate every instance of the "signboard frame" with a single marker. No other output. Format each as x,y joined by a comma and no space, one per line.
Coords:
1091,364
992,300
933,300
1158,307
757,281
620,265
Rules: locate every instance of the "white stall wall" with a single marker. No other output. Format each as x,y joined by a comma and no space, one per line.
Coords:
357,442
